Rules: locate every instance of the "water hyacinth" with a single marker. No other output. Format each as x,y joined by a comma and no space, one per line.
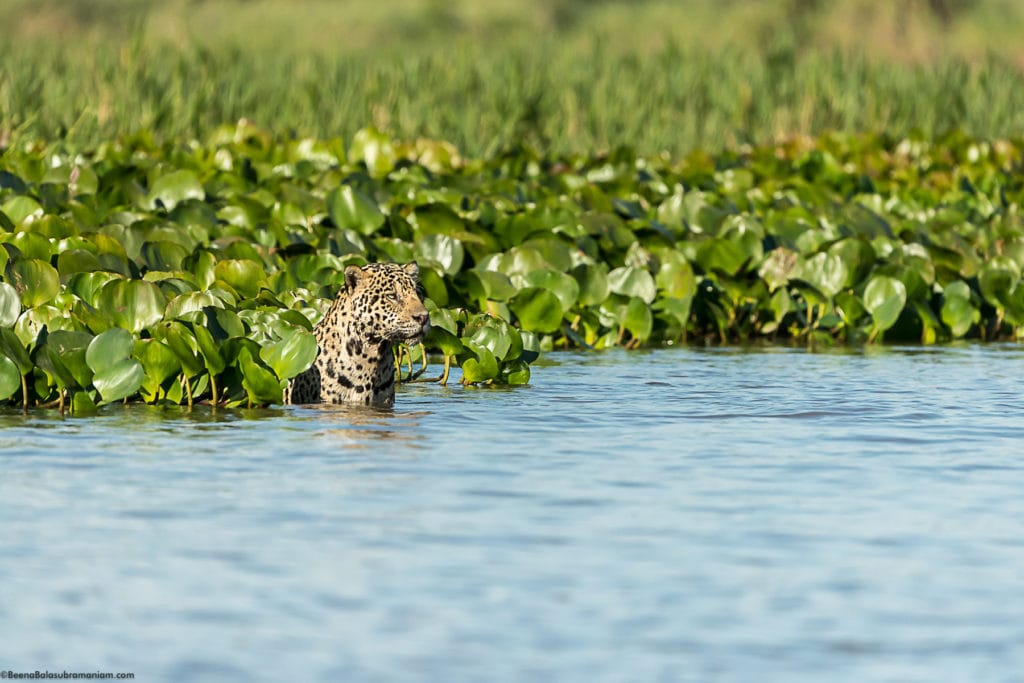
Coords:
194,272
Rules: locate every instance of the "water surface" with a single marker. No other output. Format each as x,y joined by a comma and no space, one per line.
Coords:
677,515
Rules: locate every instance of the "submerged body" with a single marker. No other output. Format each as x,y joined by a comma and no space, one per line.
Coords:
377,307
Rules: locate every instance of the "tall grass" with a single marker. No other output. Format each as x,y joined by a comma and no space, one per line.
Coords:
481,86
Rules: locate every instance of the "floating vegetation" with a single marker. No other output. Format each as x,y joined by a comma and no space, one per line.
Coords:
194,272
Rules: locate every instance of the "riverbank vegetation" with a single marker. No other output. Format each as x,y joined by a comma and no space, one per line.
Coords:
563,77
176,210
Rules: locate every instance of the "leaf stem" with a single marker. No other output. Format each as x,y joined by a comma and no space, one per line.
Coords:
447,368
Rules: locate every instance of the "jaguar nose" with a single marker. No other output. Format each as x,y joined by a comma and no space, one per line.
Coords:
422,318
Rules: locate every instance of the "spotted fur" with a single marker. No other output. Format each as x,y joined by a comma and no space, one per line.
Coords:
378,306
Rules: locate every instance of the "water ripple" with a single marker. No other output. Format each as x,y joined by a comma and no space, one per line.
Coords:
690,514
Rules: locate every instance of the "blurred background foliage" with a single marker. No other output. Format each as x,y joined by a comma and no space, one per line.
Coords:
904,30
563,75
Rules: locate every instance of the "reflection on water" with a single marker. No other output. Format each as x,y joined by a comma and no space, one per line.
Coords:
693,514
361,427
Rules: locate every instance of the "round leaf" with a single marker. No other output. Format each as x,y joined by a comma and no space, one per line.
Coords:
637,319
131,304
561,285
36,281
490,285
538,310
10,377
158,360
884,298
593,283
244,276
444,341
479,365
10,305
259,382
350,209
516,372
108,349
291,355
825,272
632,281
443,250
495,338
20,208
175,187
374,148
119,380
12,347
996,282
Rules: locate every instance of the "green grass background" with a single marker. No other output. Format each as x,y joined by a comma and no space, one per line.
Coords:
564,76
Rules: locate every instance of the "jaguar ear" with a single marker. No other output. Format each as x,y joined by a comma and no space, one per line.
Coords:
353,275
413,269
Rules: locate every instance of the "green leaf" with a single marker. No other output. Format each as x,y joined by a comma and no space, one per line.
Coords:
36,281
444,341
82,403
444,250
244,276
958,312
86,285
778,266
637,319
478,364
373,148
631,281
676,279
516,372
350,209
497,336
11,346
593,283
437,219
116,374
996,281
884,298
10,377
561,285
291,355
33,245
213,359
10,305
434,286
108,348
131,304
175,187
183,304
62,355
538,310
726,256
184,345
119,380
158,361
75,261
20,208
224,323
259,382
491,285
825,272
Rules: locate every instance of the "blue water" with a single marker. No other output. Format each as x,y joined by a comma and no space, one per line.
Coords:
677,515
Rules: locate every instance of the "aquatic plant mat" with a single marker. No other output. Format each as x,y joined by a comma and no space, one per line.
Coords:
193,271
